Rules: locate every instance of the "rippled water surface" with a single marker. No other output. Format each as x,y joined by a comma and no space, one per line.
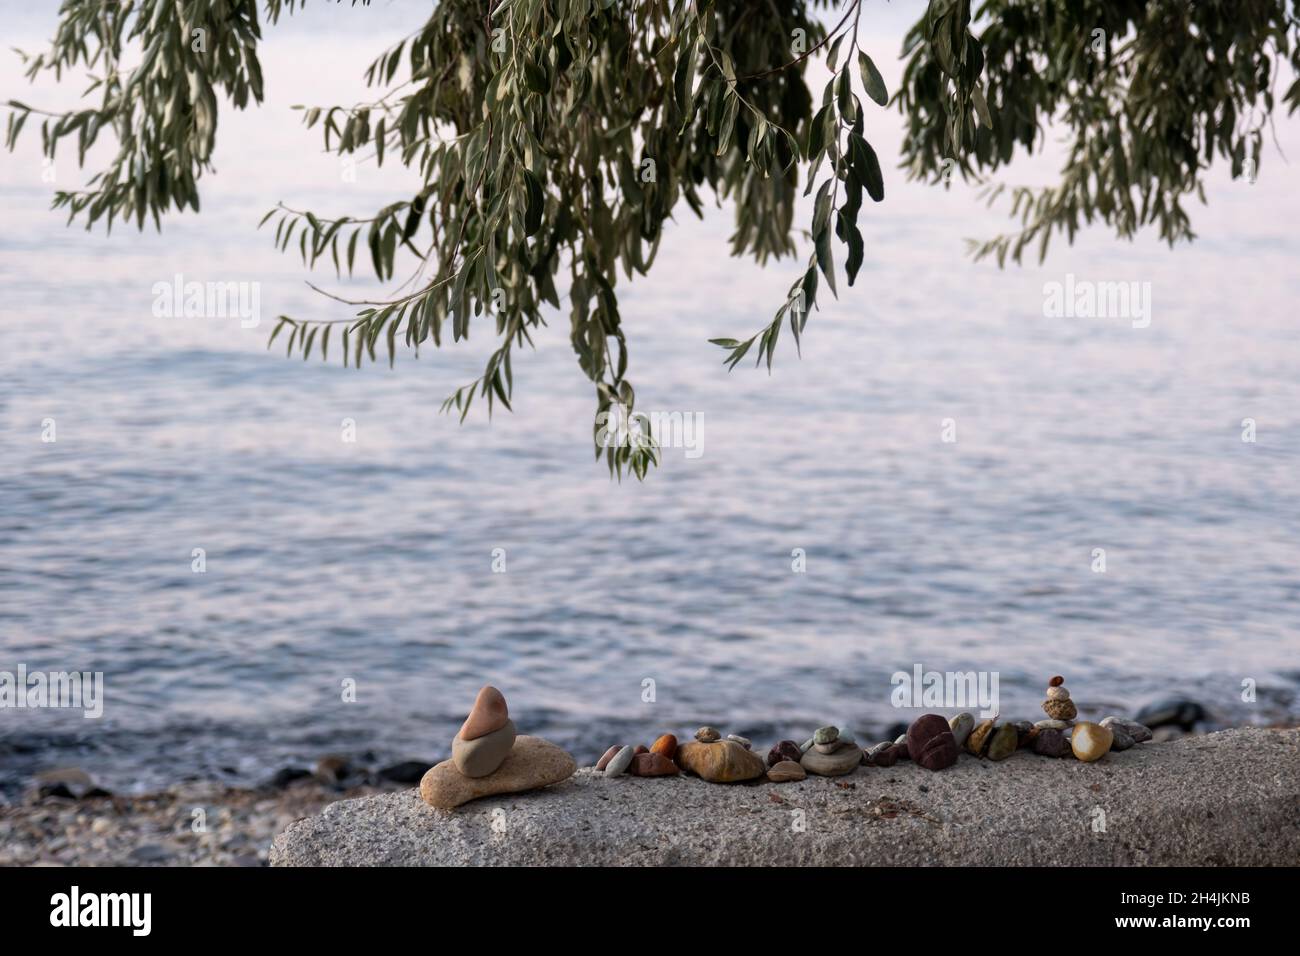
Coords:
372,561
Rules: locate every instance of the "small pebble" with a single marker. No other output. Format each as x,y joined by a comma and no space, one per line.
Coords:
707,735
1060,709
743,741
785,750
1051,743
826,735
978,741
1139,732
1122,741
1004,742
961,726
786,770
620,761
609,755
665,746
1090,741
1052,724
1056,681
882,755
653,765
1058,693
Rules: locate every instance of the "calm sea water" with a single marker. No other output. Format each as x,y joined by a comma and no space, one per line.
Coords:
372,561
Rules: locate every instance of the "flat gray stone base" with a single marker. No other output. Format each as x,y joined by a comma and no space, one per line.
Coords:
1231,798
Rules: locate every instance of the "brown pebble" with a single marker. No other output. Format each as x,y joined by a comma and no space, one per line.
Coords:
1056,681
651,764
640,749
489,715
609,755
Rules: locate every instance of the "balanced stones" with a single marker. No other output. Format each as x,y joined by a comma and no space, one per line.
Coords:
784,771
836,760
707,735
1003,742
785,750
531,764
826,740
1090,741
486,737
1058,705
930,742
487,757
483,755
720,761
488,714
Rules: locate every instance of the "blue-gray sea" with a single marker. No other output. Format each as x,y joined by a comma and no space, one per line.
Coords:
373,561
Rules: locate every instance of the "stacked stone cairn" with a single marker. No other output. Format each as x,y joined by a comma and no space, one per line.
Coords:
488,757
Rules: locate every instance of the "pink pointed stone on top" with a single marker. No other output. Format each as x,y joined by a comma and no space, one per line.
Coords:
489,714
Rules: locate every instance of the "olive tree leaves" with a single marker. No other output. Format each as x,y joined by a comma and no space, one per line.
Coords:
1149,95
554,139
842,166
162,111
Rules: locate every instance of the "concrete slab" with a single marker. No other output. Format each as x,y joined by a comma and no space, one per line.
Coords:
1230,798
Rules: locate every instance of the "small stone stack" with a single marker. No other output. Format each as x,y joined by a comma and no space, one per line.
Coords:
488,758
783,762
831,752
716,760
1058,705
486,737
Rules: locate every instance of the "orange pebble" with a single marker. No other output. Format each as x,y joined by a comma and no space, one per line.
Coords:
666,745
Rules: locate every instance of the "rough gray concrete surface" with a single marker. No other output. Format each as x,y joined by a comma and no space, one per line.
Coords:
1226,798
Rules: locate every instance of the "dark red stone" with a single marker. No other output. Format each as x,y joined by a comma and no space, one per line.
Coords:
1056,681
785,750
930,742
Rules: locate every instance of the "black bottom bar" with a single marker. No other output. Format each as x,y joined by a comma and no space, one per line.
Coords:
333,906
